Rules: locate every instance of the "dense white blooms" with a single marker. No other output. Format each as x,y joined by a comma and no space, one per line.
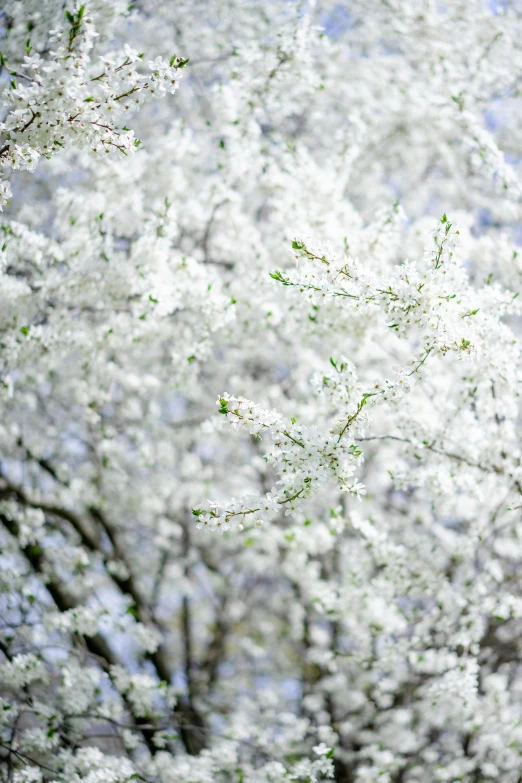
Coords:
67,98
321,229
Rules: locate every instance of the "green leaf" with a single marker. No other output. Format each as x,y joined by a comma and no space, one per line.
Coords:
277,276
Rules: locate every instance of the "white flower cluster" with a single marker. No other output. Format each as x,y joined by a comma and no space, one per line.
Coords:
65,99
304,458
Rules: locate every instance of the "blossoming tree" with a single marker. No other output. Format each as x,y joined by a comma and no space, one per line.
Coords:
317,577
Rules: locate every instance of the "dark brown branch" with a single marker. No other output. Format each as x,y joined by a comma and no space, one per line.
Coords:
96,645
194,740
432,448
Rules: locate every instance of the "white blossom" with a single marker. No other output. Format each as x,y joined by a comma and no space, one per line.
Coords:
324,221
